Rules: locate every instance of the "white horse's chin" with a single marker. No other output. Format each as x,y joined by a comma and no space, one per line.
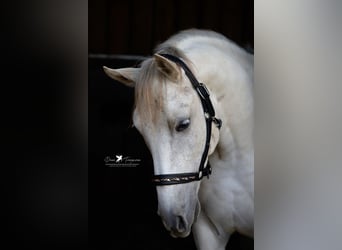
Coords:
180,235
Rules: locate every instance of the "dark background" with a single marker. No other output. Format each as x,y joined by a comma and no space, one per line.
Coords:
122,201
137,26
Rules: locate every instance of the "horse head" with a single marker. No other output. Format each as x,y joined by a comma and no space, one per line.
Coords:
169,115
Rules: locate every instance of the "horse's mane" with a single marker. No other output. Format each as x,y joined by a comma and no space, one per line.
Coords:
150,84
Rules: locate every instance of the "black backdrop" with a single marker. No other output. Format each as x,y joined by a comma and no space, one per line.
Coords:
136,26
122,200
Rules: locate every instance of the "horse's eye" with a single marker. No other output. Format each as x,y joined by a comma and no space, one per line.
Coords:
182,125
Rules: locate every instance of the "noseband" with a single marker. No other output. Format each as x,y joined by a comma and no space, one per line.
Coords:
209,114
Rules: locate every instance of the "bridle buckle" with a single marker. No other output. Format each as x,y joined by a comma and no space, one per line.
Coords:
218,122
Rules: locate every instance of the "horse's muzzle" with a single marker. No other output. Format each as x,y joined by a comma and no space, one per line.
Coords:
177,225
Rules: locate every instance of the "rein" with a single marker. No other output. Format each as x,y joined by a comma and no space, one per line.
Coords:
209,114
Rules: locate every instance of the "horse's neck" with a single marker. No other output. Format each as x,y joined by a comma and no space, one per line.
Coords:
235,146
232,94
230,83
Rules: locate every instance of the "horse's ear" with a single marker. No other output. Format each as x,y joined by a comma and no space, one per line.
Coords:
170,69
126,76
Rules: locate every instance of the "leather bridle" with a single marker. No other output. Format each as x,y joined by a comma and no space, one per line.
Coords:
209,114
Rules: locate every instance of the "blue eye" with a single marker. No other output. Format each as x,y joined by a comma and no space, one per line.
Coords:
182,125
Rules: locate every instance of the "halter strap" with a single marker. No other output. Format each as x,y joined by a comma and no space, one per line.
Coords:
209,114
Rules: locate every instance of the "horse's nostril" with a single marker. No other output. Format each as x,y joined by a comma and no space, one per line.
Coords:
181,224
